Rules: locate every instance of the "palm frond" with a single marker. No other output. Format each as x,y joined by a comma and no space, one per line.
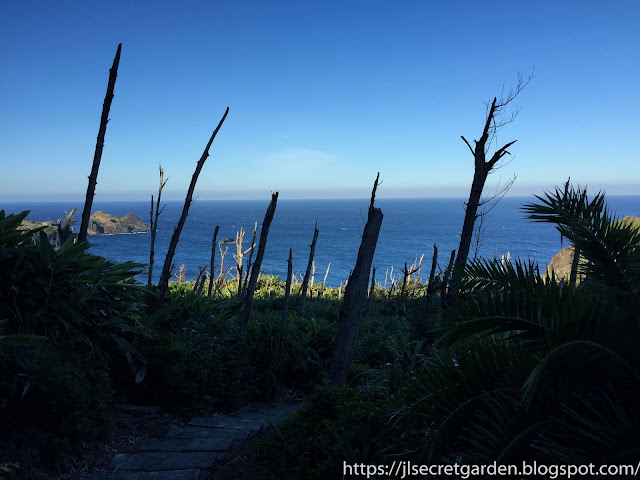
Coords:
578,366
611,248
513,300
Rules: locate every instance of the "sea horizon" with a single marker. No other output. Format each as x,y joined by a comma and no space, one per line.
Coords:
410,228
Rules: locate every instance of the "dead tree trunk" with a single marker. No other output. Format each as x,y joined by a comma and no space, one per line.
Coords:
64,232
197,286
249,265
239,256
213,258
445,279
430,285
255,271
287,287
307,274
406,278
313,276
163,284
354,295
154,221
373,282
104,119
220,278
482,169
324,282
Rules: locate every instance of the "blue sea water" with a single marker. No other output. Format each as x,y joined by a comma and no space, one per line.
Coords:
410,228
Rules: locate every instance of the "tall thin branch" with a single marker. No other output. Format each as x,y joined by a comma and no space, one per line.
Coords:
97,156
163,284
154,220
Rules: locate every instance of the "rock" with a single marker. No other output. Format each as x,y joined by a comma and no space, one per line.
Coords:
50,229
630,220
560,264
101,223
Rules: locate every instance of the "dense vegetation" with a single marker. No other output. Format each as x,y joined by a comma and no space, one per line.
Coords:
517,366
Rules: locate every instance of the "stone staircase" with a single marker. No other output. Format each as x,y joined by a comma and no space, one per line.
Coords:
189,449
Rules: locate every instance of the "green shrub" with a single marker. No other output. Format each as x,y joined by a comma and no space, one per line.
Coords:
65,316
336,425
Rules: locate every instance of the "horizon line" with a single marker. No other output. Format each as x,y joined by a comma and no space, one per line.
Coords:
443,197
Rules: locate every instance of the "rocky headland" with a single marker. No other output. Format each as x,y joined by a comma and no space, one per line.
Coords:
101,223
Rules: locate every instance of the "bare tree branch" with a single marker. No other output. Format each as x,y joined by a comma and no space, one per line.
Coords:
97,156
163,284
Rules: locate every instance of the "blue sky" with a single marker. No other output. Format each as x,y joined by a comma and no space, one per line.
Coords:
322,95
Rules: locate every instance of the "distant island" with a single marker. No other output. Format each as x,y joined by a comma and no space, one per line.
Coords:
100,223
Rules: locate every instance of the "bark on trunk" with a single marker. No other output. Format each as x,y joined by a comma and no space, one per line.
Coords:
354,296
255,271
307,274
104,119
163,284
471,211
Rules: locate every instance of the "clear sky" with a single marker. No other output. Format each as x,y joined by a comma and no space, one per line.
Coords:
322,95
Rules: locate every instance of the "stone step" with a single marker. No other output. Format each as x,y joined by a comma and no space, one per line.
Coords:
241,422
158,461
195,432
219,441
189,448
165,475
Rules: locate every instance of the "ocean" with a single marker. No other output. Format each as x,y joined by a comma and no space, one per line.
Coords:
410,228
